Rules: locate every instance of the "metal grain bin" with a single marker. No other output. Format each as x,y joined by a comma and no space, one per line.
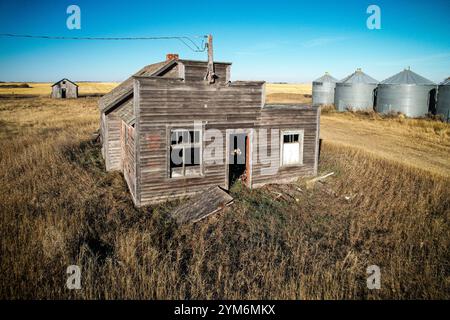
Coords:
443,100
323,90
355,92
408,93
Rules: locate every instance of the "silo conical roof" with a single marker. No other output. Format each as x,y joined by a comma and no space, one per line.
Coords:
326,78
359,77
407,77
446,82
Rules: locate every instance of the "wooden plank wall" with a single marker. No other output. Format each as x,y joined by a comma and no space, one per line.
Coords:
196,70
113,156
103,134
128,156
167,103
71,90
287,119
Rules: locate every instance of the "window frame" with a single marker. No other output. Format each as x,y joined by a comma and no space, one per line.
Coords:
185,146
301,138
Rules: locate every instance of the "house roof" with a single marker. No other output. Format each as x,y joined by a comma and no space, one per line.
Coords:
202,62
407,77
123,90
359,77
446,82
63,80
126,112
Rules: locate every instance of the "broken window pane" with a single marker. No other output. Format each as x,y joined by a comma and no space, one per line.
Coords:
185,153
192,156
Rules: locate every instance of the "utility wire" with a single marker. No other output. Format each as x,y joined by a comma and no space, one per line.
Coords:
187,41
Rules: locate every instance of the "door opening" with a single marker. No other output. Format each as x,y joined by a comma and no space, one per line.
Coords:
432,101
238,158
63,93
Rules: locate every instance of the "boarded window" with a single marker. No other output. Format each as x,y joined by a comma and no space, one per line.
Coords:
292,148
185,153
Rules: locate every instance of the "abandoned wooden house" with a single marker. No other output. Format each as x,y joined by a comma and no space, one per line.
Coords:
182,107
64,88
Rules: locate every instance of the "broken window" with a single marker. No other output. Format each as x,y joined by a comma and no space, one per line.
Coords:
185,153
292,148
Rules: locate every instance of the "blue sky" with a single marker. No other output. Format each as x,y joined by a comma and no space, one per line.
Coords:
292,41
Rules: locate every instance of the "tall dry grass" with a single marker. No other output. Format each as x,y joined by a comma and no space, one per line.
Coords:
59,207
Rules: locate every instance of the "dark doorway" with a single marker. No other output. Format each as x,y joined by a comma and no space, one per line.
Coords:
432,102
238,159
63,93
375,93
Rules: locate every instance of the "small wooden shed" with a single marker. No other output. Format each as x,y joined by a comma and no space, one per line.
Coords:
64,88
159,126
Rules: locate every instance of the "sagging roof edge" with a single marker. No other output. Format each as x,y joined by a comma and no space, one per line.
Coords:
168,65
63,80
120,98
201,61
118,103
237,82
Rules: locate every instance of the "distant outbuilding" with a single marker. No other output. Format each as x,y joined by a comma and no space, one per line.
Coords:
408,93
64,88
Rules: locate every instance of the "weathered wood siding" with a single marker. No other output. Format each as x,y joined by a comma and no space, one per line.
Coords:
196,71
162,104
306,119
165,104
103,134
112,142
128,157
71,90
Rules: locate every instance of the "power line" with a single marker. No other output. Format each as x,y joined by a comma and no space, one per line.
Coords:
187,41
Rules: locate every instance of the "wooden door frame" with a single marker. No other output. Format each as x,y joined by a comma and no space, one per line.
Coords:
123,144
249,156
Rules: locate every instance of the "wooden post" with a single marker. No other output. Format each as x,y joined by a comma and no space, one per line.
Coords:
210,72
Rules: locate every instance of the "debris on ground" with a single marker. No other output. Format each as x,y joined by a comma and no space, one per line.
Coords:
310,183
202,205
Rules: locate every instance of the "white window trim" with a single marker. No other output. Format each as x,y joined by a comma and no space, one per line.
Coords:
301,138
183,145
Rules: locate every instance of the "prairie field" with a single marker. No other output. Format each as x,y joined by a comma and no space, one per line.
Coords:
387,204
280,93
44,88
288,92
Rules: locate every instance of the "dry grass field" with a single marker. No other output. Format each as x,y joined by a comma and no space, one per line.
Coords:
387,204
44,88
278,93
288,93
419,143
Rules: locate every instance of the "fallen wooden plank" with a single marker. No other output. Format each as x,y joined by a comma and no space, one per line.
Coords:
310,183
202,205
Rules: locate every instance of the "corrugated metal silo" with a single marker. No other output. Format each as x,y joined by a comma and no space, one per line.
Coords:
408,93
443,100
323,90
355,92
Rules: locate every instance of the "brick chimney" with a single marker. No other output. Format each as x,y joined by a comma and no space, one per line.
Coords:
171,56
